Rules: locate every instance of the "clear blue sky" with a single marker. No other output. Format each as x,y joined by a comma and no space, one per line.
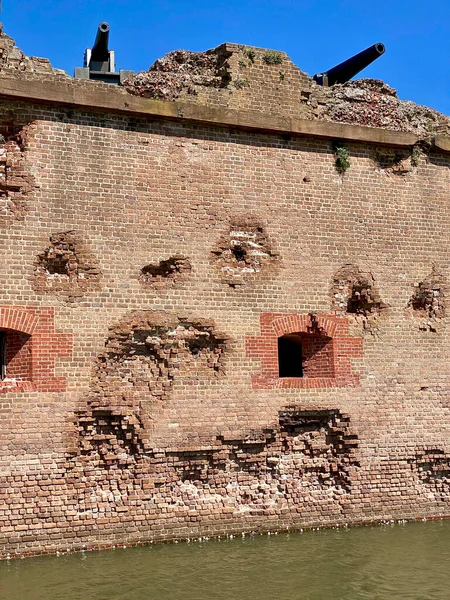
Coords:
316,34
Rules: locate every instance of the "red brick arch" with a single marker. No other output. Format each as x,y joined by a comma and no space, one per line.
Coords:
302,324
18,319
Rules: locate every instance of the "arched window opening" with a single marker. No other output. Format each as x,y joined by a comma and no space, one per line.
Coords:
15,355
305,355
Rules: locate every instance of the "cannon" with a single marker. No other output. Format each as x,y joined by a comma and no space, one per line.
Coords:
99,61
349,68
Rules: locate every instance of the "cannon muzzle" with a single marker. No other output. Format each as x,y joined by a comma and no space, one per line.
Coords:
100,52
351,67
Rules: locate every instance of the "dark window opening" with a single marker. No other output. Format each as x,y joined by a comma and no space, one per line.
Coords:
290,358
305,355
15,355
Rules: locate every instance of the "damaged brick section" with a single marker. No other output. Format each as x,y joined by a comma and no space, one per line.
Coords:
166,273
310,451
66,268
106,458
229,76
16,183
354,292
250,78
108,438
428,301
243,253
146,350
309,457
433,469
320,445
395,161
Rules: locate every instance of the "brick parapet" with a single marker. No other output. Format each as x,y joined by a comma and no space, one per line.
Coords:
101,97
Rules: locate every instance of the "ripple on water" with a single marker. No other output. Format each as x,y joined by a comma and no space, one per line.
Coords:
401,562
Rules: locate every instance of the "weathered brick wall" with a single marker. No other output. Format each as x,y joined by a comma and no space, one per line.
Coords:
155,264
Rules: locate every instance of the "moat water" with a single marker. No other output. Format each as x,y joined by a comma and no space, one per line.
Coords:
399,562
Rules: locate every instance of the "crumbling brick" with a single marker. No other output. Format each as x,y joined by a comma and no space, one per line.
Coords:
320,444
146,350
16,181
243,253
393,161
244,77
166,273
229,76
109,438
13,61
66,268
433,470
313,449
354,292
373,103
180,72
428,301
133,438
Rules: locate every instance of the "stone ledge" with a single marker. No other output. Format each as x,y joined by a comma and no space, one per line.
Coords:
94,96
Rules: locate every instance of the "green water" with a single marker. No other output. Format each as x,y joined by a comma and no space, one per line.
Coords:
407,562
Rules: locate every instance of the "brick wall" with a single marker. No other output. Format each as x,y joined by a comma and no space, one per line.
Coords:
155,408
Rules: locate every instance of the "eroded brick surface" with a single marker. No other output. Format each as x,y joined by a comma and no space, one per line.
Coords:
245,77
428,301
16,181
181,72
433,470
167,272
231,75
243,253
308,454
355,292
146,350
66,267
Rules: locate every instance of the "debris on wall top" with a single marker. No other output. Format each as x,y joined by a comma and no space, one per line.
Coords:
178,72
239,77
256,79
373,103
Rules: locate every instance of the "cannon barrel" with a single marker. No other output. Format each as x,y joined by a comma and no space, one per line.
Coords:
100,52
351,67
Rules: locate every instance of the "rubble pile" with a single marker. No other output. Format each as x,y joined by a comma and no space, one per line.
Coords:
373,103
179,71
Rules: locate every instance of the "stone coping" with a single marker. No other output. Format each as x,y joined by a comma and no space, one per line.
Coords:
105,98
